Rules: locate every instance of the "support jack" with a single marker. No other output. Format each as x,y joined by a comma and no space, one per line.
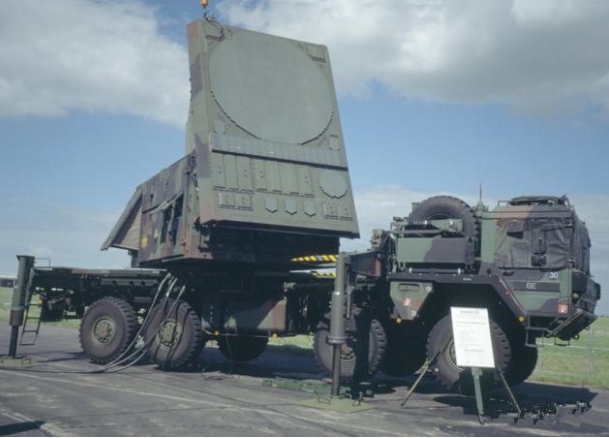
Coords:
16,361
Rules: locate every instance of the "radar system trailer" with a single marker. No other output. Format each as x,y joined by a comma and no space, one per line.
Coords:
223,242
217,237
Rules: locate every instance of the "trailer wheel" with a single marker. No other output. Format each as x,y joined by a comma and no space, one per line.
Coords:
405,349
522,365
356,347
242,348
175,335
447,207
107,328
453,377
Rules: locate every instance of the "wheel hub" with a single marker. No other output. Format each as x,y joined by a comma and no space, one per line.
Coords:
104,331
169,334
451,356
347,350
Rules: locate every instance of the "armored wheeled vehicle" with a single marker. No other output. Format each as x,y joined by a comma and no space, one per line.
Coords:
527,262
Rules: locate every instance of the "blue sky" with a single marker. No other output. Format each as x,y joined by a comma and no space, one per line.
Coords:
435,97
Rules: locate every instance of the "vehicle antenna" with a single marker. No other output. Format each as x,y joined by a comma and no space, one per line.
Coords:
480,207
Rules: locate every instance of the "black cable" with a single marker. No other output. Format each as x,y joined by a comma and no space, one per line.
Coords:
119,361
144,348
145,321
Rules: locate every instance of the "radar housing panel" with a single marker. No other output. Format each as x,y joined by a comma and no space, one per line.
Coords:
265,128
265,176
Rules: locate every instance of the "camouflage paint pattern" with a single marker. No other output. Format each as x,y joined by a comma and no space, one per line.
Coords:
534,253
538,247
437,243
265,178
435,251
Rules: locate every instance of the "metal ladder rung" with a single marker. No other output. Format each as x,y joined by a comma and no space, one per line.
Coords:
25,330
36,318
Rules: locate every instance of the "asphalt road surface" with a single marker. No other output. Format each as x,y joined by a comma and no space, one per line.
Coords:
224,398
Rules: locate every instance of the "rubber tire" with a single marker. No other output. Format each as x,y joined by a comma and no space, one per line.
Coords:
522,365
352,368
405,352
447,207
183,350
451,376
126,325
242,348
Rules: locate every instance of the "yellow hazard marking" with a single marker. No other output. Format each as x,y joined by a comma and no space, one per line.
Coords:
323,274
324,258
144,242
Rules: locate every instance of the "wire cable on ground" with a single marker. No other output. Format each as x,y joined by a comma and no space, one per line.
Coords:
127,359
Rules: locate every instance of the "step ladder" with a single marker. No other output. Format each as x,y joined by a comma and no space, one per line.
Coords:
29,335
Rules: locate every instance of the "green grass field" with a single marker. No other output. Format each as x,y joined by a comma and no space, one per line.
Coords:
5,308
5,302
584,362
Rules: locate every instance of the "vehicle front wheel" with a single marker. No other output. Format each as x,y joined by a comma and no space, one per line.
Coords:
524,361
452,376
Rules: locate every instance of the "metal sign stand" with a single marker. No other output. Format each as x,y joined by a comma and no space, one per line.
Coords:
480,400
426,366
477,373
534,412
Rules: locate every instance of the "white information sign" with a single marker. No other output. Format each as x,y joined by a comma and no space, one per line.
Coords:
472,335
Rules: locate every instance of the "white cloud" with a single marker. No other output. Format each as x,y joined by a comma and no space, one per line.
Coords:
552,12
60,56
66,237
537,56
